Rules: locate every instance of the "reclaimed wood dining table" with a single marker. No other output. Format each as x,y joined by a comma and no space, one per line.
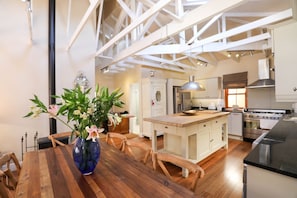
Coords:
51,172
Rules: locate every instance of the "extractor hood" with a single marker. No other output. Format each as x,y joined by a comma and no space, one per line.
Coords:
264,77
191,85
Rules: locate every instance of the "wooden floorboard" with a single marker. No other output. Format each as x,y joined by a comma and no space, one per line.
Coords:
223,170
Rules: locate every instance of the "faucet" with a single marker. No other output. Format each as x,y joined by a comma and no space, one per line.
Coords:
200,106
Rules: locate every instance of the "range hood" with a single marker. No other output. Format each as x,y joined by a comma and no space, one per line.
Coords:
264,77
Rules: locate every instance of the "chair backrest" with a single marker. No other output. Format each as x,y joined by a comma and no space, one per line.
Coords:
8,179
130,148
55,138
4,193
116,140
195,169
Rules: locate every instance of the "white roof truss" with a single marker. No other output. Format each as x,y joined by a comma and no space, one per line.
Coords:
164,33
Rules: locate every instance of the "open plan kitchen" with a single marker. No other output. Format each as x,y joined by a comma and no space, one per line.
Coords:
160,98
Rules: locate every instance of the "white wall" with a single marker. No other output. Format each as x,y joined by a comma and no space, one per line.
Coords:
24,65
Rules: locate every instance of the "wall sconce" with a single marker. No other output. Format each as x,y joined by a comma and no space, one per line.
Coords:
81,81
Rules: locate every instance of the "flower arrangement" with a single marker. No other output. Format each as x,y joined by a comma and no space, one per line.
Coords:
87,114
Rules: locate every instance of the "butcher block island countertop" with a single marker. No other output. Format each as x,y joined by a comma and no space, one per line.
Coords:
193,137
184,120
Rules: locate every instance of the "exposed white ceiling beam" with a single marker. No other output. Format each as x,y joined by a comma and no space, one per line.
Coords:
197,15
256,24
126,9
94,4
99,22
152,64
134,24
204,28
166,61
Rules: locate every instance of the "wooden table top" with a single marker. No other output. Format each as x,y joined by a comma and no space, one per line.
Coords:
183,120
52,173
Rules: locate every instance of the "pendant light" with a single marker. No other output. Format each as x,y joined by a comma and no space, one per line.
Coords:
192,85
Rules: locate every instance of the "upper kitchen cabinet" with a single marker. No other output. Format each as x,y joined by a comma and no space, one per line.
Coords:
212,88
285,60
154,102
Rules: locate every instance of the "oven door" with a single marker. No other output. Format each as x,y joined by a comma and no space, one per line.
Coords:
252,129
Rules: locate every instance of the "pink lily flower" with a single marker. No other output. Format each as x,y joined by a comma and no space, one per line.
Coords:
53,110
93,132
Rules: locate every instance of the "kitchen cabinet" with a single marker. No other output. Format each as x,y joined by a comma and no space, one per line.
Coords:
212,88
235,124
211,137
153,99
122,127
285,60
193,137
263,183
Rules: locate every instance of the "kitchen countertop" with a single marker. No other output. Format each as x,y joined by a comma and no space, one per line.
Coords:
277,152
183,120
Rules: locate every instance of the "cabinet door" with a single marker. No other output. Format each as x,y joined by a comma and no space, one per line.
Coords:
216,135
213,88
285,42
203,140
235,124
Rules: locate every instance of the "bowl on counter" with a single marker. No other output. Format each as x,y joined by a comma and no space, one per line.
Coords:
190,112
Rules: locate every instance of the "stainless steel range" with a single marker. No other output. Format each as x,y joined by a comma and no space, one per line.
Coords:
259,121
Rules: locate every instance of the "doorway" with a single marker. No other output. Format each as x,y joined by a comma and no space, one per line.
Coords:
134,108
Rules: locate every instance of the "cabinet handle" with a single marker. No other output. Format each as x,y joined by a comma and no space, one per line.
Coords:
294,89
211,140
204,125
166,127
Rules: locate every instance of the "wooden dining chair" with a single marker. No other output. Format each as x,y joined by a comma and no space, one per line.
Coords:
56,138
136,149
8,177
4,193
116,140
195,170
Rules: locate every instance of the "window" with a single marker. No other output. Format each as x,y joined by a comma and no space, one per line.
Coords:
235,97
235,92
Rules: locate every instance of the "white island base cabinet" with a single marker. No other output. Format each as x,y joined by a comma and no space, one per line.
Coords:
197,141
267,184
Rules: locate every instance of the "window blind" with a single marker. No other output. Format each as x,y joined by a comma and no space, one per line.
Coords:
234,81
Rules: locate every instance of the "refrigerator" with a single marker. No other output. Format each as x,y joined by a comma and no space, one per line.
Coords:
181,100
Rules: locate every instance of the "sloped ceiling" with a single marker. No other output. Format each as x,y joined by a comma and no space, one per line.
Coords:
180,35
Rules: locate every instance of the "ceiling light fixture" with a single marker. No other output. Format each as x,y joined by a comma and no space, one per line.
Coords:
192,85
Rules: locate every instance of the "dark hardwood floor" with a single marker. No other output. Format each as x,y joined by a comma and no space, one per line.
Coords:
223,170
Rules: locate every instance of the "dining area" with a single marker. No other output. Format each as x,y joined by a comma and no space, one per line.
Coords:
51,172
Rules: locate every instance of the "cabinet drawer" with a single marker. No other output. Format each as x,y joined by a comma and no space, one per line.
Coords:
165,128
204,126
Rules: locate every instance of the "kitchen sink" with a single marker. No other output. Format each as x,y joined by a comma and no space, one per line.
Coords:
271,141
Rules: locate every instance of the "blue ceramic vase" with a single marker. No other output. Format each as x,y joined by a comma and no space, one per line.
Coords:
86,154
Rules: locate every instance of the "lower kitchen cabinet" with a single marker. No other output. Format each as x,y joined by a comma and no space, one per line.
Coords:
263,183
211,136
199,141
235,124
122,127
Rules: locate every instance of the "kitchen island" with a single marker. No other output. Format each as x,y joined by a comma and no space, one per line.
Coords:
193,137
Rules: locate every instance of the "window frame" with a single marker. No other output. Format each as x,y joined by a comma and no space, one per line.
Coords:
226,91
